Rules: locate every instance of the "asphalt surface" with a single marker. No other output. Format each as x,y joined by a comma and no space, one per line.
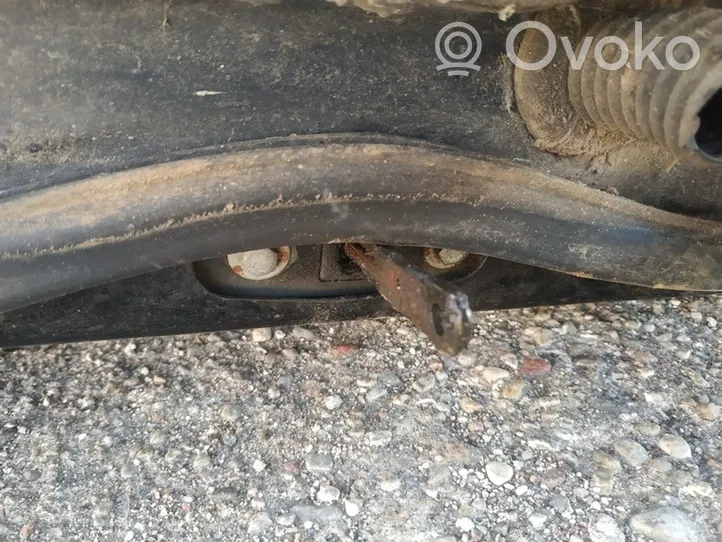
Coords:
592,423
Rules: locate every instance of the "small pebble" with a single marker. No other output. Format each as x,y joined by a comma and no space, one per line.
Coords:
333,402
259,523
128,471
697,490
666,524
327,493
604,528
390,485
319,463
467,359
560,503
675,446
607,461
378,438
425,383
231,413
376,394
708,411
261,335
286,520
351,508
494,374
631,452
602,482
303,333
648,429
465,524
515,390
537,520
499,473
468,405
274,393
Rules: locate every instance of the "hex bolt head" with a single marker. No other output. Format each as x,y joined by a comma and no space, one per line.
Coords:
261,264
452,257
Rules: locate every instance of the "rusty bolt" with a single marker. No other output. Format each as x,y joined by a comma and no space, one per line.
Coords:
261,264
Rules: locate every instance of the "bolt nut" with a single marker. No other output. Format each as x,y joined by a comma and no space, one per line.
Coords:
261,264
444,258
452,257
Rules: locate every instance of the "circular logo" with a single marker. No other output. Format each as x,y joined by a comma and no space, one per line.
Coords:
458,63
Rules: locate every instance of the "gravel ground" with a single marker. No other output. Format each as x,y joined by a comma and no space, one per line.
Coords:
596,423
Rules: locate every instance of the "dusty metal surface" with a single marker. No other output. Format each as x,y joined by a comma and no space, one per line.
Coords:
110,88
440,309
504,8
334,189
173,300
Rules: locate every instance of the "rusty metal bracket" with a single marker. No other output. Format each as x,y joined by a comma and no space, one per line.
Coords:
438,308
